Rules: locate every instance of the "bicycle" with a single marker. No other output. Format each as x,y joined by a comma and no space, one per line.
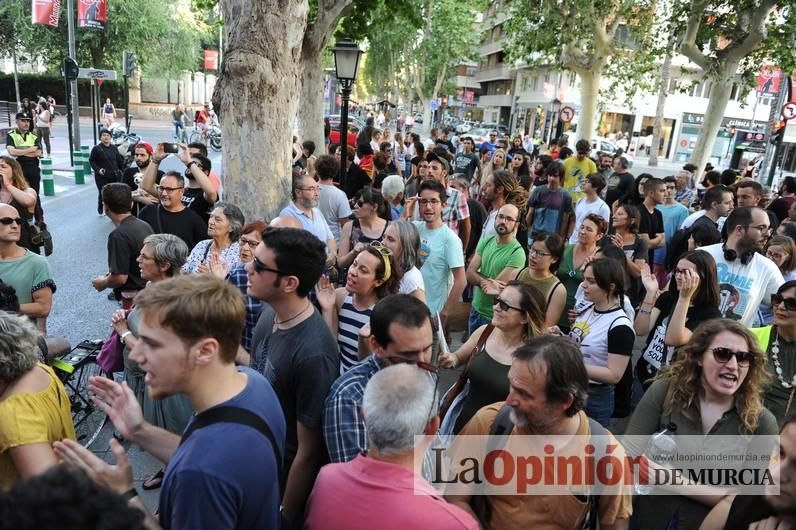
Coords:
74,370
213,138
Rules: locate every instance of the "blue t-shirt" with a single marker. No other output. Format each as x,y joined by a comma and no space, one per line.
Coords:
549,209
440,251
225,474
673,217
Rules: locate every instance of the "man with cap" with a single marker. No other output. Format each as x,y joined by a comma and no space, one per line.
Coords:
134,175
25,145
576,168
456,213
107,163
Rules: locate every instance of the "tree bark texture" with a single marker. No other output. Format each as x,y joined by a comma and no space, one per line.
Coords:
663,86
310,109
717,103
255,98
589,93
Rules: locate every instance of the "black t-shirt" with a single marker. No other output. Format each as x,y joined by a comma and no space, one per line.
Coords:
377,182
128,177
747,509
447,144
194,198
185,224
620,187
301,363
651,224
466,164
477,217
124,245
355,180
656,354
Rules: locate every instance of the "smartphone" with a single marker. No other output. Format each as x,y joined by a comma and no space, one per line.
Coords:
171,148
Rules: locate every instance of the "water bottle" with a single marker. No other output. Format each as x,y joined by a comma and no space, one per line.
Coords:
661,448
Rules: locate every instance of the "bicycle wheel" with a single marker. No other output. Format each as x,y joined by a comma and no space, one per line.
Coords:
196,136
87,417
215,142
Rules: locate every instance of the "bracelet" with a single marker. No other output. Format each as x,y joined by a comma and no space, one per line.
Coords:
124,336
644,312
129,495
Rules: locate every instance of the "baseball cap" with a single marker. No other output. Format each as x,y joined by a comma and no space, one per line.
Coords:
431,155
22,116
144,145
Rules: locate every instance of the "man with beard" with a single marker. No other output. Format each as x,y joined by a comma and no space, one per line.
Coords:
497,259
132,176
107,164
741,265
306,198
548,387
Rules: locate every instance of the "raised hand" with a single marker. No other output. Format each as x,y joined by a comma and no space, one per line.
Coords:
649,281
118,477
119,403
687,283
324,293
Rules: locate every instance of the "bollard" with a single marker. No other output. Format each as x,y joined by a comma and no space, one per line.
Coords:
79,168
86,153
47,176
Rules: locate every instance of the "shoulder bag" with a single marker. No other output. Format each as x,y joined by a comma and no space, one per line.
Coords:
459,385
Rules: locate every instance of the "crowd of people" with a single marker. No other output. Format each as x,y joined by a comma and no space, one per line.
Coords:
282,371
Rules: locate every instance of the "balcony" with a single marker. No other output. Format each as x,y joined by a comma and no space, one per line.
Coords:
495,73
495,101
465,81
492,47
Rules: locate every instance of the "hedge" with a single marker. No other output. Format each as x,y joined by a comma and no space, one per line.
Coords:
47,85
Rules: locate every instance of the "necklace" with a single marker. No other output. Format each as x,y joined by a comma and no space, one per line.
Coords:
277,323
778,367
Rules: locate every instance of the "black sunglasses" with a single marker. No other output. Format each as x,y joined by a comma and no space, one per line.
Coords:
503,306
723,356
8,220
788,303
259,267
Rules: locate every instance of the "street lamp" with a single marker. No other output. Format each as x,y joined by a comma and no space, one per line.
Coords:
346,61
555,108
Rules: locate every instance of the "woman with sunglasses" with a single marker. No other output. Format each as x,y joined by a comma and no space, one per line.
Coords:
373,275
574,260
518,316
370,221
224,227
604,332
14,190
713,388
779,342
782,251
670,318
251,236
544,257
403,240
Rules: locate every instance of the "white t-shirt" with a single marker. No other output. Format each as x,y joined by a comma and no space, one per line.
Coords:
411,281
691,219
489,225
334,206
583,208
743,287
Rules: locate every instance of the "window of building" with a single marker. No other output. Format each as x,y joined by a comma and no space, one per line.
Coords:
572,78
535,83
708,88
547,78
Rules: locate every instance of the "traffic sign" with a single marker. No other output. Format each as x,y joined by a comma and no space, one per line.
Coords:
93,73
433,104
789,110
566,114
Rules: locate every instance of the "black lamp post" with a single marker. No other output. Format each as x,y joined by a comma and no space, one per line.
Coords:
346,62
555,109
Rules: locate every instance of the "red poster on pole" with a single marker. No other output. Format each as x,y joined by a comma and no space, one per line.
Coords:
768,81
46,12
92,14
211,60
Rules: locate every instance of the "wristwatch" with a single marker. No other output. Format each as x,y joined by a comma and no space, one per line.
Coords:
189,164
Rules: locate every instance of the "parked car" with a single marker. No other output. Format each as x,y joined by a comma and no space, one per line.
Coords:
352,118
353,132
479,135
501,129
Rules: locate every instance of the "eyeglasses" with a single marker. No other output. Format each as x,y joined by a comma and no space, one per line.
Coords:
501,217
248,242
776,256
161,189
8,220
504,306
788,303
311,189
359,203
433,202
379,247
259,267
538,253
763,229
723,356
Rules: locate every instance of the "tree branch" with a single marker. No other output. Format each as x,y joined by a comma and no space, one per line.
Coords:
757,32
329,14
689,47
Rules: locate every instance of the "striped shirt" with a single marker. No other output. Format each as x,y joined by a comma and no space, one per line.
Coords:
349,321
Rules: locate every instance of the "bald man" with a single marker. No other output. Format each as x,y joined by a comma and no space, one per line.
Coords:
28,273
285,221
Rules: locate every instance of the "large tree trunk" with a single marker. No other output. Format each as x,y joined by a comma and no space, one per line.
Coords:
666,73
589,94
261,69
717,104
310,111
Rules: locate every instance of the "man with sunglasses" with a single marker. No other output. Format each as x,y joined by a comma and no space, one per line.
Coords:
491,143
170,215
400,332
497,259
382,490
27,272
741,266
293,347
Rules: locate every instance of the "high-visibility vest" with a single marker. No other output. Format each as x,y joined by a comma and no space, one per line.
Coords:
29,140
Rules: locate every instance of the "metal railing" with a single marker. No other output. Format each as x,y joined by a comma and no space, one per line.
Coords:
8,110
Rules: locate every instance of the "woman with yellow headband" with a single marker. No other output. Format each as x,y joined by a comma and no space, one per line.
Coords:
372,276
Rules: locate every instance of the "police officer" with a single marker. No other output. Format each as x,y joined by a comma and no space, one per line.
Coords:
25,145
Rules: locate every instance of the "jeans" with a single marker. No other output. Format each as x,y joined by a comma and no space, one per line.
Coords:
475,321
600,405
